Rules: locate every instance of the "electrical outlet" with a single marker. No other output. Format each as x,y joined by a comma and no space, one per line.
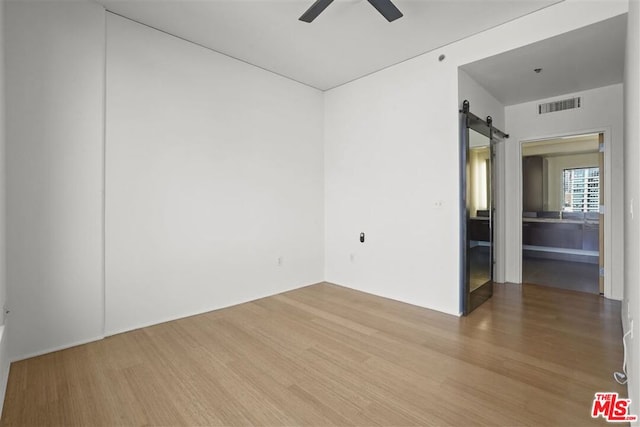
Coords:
280,261
352,257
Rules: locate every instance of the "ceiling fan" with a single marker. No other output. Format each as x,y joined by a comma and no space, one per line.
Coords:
385,7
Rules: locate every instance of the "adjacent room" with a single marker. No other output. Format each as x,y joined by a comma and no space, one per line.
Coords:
319,213
562,195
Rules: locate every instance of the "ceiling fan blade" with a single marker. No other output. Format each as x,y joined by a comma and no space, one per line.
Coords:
386,9
315,10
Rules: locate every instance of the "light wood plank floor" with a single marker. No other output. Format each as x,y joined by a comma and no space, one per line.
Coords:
326,355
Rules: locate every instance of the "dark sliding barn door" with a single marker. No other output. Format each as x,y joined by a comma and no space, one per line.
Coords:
477,170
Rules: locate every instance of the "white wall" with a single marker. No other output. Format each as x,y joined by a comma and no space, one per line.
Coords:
391,171
55,78
391,163
214,171
481,102
631,304
3,284
386,176
234,181
601,110
4,357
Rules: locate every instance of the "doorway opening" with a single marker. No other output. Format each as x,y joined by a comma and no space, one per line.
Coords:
562,212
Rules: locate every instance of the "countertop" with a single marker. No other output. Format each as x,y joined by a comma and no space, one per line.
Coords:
561,221
546,220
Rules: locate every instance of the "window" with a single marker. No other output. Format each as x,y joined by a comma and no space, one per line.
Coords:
581,188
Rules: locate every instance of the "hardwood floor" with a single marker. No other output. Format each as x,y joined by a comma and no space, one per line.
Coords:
327,355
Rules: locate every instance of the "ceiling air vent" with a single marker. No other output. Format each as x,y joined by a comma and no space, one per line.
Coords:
565,104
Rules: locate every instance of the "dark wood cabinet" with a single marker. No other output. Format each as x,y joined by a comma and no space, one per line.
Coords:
527,232
532,183
479,230
591,237
553,234
561,235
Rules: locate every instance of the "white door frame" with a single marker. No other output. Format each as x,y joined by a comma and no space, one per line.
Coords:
607,197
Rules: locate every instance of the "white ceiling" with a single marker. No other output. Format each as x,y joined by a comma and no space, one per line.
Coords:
582,59
350,39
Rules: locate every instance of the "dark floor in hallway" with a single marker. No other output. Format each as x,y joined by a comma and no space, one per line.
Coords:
575,276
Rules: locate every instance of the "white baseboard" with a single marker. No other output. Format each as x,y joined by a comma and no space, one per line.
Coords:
57,348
